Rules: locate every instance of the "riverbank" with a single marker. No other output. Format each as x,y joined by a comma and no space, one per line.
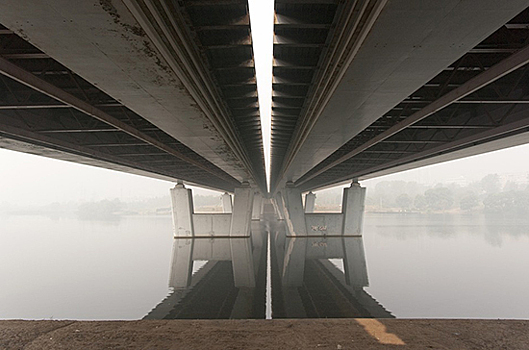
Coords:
266,334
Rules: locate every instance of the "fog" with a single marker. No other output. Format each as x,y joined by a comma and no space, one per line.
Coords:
61,215
512,161
29,180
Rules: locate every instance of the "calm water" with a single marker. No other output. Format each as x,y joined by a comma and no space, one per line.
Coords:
418,265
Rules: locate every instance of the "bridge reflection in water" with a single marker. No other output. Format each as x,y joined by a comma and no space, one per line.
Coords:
304,277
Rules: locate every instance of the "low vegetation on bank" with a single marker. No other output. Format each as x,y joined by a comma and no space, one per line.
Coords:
490,194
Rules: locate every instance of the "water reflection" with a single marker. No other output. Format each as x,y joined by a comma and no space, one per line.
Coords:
494,228
231,284
304,281
92,270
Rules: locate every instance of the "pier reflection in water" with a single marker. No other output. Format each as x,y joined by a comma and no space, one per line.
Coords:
233,281
230,284
426,266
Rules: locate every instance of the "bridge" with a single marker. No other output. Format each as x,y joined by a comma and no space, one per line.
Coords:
169,89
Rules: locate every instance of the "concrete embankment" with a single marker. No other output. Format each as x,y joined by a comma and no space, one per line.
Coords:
266,334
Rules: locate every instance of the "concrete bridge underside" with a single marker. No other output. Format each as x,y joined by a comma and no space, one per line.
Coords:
167,89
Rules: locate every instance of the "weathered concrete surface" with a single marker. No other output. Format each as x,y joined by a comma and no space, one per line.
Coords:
410,43
101,41
269,334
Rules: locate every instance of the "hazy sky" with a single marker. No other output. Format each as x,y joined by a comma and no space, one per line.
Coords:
28,179
510,161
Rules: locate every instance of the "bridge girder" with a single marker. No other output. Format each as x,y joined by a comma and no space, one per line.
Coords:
168,88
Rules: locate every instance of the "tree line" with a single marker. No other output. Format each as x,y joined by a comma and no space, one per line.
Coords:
488,194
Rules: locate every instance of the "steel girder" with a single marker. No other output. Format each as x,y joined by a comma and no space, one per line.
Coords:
45,104
315,42
479,98
208,45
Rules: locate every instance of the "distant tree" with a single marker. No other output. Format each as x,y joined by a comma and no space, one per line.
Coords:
469,201
510,186
105,209
439,198
512,202
420,202
498,202
491,184
403,201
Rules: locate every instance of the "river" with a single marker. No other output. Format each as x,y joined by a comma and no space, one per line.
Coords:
419,266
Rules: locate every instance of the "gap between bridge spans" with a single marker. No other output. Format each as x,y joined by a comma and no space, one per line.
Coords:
262,28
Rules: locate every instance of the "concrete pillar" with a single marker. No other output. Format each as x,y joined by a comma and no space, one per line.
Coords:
182,207
277,202
353,209
241,245
182,260
295,248
310,200
257,206
293,212
354,254
226,203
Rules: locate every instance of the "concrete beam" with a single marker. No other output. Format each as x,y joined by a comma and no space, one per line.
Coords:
410,43
324,224
24,77
103,43
212,225
492,74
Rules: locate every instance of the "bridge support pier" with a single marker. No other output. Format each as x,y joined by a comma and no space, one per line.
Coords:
310,200
234,223
353,205
257,206
182,210
306,242
303,226
278,204
226,203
